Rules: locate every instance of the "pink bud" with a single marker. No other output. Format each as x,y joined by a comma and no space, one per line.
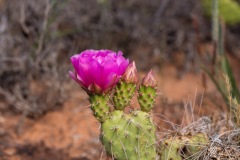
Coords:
149,80
130,75
94,88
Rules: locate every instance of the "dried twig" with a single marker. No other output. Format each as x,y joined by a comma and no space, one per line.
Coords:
23,17
44,27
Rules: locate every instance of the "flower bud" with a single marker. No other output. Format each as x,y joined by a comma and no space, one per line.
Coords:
94,88
149,80
130,75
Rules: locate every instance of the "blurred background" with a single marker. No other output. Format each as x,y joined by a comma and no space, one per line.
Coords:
44,115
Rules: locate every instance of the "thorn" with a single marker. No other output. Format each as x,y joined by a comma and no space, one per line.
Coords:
148,116
130,121
111,142
126,134
135,114
147,154
136,150
150,128
115,128
123,116
138,125
103,134
137,137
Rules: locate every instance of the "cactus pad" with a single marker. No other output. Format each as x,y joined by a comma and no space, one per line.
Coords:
123,94
129,136
183,147
99,106
146,97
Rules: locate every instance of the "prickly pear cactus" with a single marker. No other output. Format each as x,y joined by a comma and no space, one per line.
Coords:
99,106
126,87
147,92
146,97
129,136
180,147
124,93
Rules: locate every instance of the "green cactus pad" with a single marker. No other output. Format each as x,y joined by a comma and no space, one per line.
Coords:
129,136
146,98
183,147
196,144
99,106
123,94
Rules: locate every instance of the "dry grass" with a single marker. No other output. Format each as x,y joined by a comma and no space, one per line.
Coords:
223,136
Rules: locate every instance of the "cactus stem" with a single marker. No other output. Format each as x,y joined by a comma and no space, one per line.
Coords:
99,106
131,136
123,94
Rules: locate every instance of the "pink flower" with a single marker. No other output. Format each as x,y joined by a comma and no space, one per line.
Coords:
98,71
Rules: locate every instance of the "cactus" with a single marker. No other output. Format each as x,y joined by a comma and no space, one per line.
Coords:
180,147
147,92
129,136
99,106
124,93
125,136
125,89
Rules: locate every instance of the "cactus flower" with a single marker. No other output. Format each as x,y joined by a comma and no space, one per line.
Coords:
130,76
98,71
